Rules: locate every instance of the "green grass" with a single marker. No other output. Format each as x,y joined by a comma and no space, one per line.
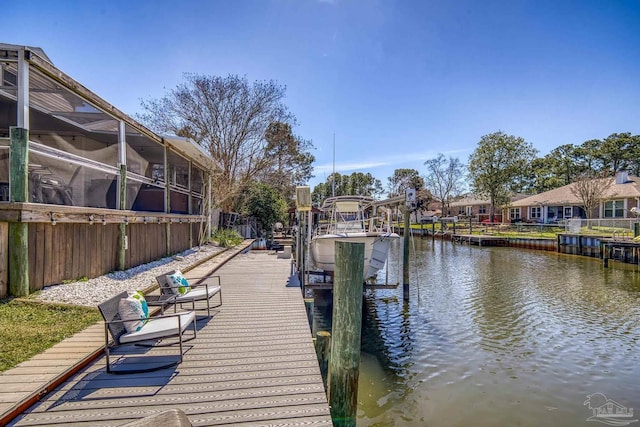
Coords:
28,328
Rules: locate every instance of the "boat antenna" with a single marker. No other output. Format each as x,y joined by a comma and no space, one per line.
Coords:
333,176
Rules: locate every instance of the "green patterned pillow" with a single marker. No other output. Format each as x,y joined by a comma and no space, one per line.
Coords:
135,309
143,302
180,285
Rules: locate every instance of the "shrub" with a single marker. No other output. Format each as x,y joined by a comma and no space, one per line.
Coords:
226,238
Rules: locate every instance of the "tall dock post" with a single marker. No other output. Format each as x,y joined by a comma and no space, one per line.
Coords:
405,256
303,205
344,363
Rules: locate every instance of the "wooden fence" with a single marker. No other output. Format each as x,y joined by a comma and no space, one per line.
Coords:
87,243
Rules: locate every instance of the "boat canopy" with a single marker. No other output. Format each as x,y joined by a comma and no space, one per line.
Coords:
347,207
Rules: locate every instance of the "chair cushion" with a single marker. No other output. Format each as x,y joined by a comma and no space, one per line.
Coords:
198,293
159,327
134,307
179,285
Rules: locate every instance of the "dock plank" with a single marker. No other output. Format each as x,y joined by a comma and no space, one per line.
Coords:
252,363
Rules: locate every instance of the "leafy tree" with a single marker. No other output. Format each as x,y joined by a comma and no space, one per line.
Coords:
498,167
364,184
542,178
560,167
229,117
616,152
444,179
266,204
291,161
403,179
591,189
588,156
356,184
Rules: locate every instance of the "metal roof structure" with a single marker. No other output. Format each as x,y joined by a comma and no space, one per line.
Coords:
97,115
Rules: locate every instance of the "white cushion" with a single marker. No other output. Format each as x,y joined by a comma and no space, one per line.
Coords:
198,293
159,327
135,309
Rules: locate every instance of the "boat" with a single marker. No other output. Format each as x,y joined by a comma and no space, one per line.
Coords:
348,219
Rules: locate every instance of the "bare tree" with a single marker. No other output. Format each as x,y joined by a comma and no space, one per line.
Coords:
444,178
592,189
229,117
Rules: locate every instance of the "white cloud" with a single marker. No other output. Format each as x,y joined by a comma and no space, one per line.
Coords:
393,160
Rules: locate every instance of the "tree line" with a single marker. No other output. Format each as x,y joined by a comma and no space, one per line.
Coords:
503,165
257,160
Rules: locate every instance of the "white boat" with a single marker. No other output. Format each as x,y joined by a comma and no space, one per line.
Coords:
348,220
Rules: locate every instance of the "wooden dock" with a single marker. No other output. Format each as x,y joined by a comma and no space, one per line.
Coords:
253,363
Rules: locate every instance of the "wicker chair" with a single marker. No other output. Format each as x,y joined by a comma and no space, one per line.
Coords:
155,329
202,289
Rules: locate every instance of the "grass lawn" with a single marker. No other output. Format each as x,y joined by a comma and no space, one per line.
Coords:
28,328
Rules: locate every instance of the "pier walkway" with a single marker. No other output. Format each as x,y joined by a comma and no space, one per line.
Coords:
253,363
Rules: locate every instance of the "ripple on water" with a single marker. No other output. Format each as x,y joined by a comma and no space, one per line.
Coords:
495,336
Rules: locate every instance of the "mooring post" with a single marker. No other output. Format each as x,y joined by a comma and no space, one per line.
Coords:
323,351
308,305
405,255
19,231
433,231
344,363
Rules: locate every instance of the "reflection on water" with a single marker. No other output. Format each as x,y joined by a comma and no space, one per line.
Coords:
498,336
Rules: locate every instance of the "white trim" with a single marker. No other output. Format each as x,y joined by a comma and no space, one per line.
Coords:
23,90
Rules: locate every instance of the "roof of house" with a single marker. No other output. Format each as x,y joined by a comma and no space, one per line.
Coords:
564,195
473,200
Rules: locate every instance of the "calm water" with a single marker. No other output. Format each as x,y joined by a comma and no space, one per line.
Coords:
498,337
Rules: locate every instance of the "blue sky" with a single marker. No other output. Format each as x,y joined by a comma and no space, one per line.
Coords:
396,81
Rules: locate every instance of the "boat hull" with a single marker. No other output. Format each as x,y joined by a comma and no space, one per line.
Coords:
376,249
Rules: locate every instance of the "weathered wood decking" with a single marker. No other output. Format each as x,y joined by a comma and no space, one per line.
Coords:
253,363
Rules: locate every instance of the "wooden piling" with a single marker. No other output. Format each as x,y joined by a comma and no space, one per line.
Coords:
19,231
323,351
344,363
405,255
308,305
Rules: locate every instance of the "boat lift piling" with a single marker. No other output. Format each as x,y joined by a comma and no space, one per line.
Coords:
410,205
303,235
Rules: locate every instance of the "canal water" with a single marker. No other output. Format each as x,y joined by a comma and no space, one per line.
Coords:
499,337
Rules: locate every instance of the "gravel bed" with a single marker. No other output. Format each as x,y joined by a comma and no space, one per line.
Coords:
94,291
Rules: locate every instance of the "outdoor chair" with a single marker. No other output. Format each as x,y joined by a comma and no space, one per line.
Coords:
199,289
153,330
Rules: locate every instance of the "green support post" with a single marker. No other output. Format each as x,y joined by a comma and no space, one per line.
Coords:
344,363
19,231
